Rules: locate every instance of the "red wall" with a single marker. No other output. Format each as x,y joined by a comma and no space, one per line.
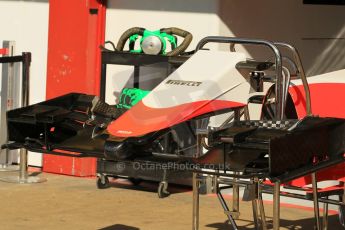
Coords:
76,30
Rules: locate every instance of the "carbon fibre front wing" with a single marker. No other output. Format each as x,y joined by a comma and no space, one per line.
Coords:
66,126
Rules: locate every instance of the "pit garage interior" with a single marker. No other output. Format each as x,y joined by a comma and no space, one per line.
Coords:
72,159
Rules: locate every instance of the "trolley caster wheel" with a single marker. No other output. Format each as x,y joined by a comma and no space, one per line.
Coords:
103,182
135,181
162,189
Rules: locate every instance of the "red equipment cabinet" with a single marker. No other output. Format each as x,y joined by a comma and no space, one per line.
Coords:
76,30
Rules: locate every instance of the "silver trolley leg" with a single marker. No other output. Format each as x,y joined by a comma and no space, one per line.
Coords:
236,187
196,182
195,202
255,214
258,207
316,202
235,200
276,206
261,208
325,216
23,167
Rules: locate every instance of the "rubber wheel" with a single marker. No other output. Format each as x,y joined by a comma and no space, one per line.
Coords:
135,181
103,184
162,190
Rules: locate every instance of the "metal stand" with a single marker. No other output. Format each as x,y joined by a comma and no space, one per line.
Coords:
281,86
9,100
23,177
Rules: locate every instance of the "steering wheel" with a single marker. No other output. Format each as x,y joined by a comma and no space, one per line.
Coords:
154,42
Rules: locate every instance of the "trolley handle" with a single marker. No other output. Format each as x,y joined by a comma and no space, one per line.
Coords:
280,84
301,71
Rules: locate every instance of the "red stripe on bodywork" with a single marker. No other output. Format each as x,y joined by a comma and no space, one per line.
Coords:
140,119
327,99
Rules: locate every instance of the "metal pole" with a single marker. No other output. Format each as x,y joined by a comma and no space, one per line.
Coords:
26,77
23,177
195,202
255,213
23,166
325,216
236,187
261,207
103,80
196,183
316,201
255,203
341,208
276,206
301,72
236,201
9,101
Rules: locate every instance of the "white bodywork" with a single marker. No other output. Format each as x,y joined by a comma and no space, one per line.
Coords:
207,82
216,72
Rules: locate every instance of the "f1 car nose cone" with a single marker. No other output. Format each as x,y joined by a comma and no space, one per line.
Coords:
151,45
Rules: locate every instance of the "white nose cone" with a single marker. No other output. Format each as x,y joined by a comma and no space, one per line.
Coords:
151,45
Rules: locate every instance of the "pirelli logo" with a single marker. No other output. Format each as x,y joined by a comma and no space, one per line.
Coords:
186,83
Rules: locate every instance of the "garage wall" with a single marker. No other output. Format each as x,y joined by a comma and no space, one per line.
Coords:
26,22
318,31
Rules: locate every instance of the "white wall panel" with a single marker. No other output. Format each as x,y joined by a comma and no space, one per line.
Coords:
26,22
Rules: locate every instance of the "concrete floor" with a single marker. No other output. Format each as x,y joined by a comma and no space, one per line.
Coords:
75,203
